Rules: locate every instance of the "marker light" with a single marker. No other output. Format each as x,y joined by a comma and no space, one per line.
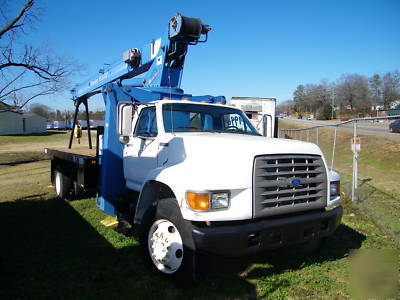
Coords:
198,200
203,101
165,98
187,99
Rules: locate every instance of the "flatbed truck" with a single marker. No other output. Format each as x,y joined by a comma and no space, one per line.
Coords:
191,174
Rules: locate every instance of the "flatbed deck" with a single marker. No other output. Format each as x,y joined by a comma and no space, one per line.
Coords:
67,153
79,169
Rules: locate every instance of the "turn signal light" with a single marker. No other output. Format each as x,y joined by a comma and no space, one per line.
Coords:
198,201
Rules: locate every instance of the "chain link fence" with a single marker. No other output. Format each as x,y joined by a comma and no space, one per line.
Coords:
368,158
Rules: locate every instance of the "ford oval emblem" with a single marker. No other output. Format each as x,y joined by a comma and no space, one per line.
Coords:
295,182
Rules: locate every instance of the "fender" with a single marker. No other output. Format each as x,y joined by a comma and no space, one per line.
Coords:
156,187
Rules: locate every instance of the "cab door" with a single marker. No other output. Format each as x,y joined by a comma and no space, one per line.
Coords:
140,154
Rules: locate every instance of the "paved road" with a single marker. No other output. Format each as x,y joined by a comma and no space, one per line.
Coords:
362,126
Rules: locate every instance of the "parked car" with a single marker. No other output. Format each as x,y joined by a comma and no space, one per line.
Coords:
394,126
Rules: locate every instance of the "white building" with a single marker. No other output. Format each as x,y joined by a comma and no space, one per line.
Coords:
255,108
12,122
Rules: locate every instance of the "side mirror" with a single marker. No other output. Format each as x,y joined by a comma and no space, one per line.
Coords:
125,117
268,126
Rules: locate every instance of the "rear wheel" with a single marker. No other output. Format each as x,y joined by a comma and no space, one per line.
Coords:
78,190
63,185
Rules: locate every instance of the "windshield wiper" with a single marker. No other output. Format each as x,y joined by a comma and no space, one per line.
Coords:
186,127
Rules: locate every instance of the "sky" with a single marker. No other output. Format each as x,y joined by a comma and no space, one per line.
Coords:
256,48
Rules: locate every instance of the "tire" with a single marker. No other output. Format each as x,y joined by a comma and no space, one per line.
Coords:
167,244
78,190
63,185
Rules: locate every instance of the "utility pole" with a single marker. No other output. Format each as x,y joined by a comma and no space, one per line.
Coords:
355,165
333,102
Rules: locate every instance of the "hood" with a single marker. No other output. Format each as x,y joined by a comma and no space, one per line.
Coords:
226,159
222,144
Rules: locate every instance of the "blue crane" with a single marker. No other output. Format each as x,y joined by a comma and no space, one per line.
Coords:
150,73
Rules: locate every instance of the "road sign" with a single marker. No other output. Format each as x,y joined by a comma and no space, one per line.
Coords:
356,144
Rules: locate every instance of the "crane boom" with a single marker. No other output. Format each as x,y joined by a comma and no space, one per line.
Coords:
158,64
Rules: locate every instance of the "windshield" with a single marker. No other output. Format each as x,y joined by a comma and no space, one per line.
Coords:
183,117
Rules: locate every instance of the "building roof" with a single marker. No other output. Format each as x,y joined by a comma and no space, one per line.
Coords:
253,98
6,107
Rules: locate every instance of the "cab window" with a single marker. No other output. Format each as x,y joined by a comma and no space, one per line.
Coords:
147,123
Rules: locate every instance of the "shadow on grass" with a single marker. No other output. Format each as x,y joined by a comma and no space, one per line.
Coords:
46,133
21,162
48,250
337,246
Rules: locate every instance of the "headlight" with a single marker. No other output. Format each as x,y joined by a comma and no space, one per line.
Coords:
335,188
219,200
208,200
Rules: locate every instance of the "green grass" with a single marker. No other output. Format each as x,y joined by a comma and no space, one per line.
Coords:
15,148
57,249
33,138
53,248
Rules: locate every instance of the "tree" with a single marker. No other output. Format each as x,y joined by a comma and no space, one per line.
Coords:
299,98
391,87
40,110
284,107
352,90
26,71
311,97
375,87
325,112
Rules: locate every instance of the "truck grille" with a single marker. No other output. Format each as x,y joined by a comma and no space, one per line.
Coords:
288,183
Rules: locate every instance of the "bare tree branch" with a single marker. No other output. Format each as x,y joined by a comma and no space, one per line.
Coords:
5,95
12,24
28,72
11,82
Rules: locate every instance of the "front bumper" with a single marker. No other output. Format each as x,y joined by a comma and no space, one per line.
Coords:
243,239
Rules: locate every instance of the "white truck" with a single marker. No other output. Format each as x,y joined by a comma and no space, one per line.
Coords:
210,183
191,174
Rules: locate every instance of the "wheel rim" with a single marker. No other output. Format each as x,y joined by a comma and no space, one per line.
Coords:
58,183
165,246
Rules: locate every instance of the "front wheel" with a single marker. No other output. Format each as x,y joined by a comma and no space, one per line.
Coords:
167,243
165,246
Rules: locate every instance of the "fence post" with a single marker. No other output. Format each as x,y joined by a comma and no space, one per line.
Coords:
334,148
318,136
355,167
